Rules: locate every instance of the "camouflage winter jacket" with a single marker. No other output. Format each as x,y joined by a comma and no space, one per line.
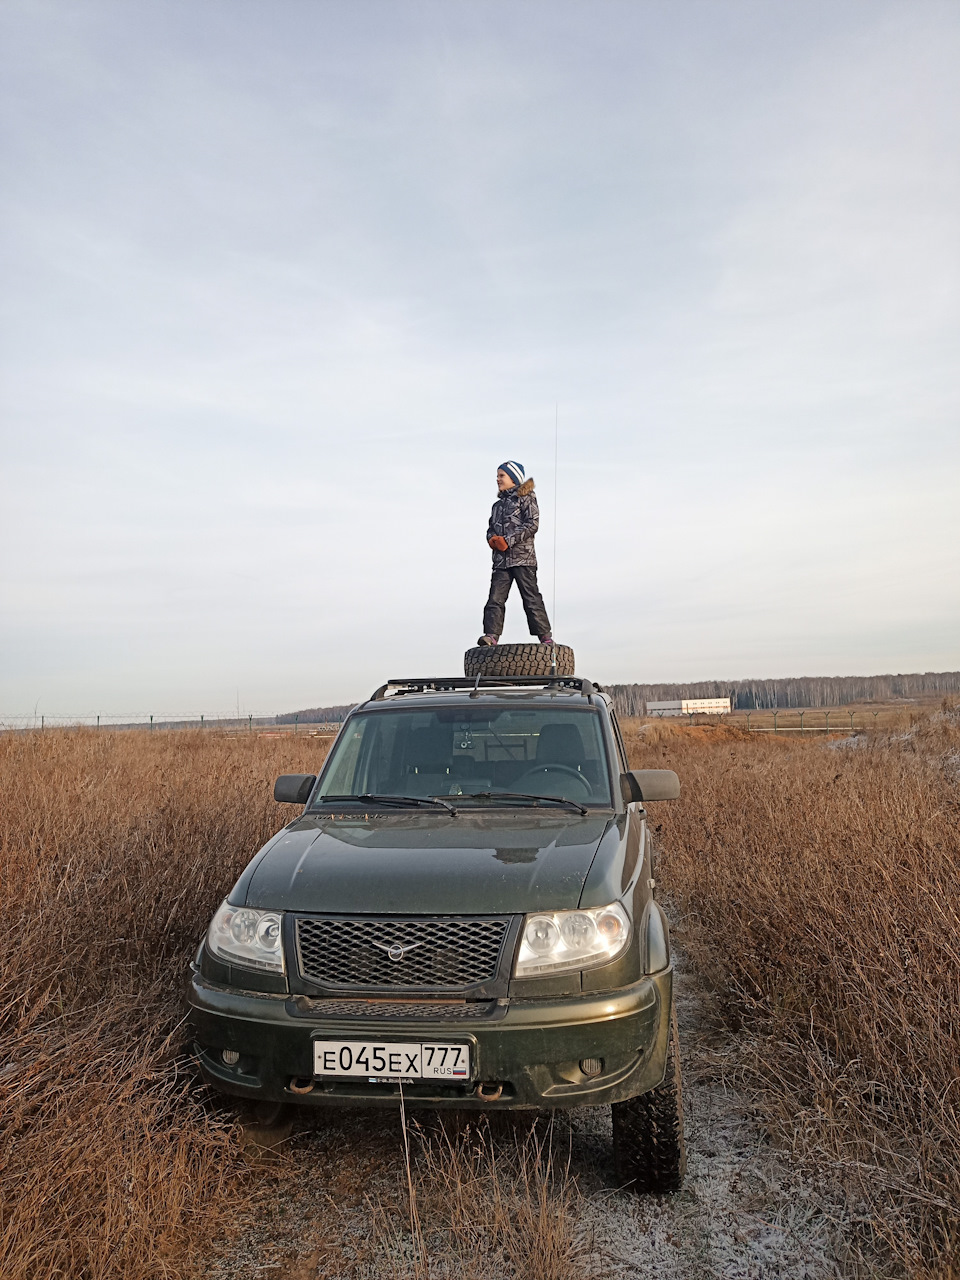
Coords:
515,516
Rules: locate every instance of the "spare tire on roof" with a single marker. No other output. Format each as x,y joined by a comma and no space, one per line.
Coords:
518,660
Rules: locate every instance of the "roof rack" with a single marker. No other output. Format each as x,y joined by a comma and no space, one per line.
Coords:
440,684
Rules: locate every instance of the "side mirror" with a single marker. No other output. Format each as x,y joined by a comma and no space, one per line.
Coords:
293,788
640,785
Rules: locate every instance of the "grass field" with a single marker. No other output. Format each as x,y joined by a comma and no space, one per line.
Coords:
818,889
817,886
114,851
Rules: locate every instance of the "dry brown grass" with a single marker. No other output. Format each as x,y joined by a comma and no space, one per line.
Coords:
114,851
819,889
486,1200
817,885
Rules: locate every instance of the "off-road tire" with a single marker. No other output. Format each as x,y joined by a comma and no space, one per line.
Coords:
518,660
649,1153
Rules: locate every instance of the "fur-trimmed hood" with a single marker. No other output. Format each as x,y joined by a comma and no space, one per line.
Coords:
525,488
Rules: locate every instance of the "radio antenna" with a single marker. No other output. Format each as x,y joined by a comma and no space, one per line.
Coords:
556,438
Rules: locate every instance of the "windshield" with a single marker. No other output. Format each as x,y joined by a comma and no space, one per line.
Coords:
466,751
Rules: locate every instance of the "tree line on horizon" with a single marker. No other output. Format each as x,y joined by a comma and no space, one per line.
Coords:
745,695
791,691
317,715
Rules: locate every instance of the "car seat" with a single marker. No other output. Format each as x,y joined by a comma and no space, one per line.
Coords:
429,757
560,744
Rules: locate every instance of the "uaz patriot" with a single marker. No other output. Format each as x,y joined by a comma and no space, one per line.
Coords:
464,910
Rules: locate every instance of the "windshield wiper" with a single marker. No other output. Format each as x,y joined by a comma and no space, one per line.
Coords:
372,798
523,795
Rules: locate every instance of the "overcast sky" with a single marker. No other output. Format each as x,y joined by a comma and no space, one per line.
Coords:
285,280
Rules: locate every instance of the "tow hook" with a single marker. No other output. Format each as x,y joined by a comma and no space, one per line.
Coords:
488,1091
300,1085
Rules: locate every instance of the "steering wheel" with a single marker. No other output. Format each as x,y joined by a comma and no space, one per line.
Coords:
532,774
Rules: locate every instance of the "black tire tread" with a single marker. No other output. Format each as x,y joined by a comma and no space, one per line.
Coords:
649,1151
518,660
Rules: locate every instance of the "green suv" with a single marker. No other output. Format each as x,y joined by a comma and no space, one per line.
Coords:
464,915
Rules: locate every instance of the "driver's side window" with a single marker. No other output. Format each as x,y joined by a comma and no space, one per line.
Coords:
621,749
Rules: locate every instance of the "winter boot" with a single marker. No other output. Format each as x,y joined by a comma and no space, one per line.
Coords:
487,640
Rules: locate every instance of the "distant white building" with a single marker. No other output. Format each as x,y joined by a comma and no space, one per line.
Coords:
690,707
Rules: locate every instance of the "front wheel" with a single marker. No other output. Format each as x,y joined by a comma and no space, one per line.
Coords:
649,1153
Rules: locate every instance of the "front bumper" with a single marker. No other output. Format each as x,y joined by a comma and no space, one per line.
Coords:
528,1053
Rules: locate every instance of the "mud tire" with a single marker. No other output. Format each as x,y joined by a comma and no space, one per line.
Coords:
649,1153
518,660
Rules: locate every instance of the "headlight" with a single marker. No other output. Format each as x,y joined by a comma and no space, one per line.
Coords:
558,941
243,936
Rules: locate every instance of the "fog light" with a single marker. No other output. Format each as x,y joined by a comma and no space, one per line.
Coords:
230,1057
591,1066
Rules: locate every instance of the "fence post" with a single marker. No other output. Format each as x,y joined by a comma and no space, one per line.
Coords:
98,722
296,722
41,724
802,714
250,724
851,722
151,722
201,722
827,718
749,730
775,729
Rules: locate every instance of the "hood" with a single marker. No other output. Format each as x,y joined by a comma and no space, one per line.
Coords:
519,490
425,864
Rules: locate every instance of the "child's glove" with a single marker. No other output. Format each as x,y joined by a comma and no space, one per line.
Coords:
498,543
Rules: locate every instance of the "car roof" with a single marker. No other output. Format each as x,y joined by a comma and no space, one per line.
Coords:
458,690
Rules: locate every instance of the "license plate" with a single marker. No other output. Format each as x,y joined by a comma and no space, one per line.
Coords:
370,1059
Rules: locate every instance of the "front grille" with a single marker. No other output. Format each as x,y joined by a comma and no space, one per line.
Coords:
392,1010
449,953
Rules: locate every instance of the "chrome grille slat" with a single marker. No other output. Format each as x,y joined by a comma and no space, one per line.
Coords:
431,1011
440,952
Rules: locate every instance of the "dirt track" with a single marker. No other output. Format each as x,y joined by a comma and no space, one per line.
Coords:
746,1213
745,1210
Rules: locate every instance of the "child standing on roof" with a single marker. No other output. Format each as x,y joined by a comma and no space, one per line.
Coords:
513,525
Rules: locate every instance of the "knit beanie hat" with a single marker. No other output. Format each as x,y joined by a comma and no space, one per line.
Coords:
514,470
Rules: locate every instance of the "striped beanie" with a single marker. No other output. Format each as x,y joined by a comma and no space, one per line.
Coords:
514,470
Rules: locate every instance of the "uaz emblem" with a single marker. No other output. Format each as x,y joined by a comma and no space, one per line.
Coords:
397,950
